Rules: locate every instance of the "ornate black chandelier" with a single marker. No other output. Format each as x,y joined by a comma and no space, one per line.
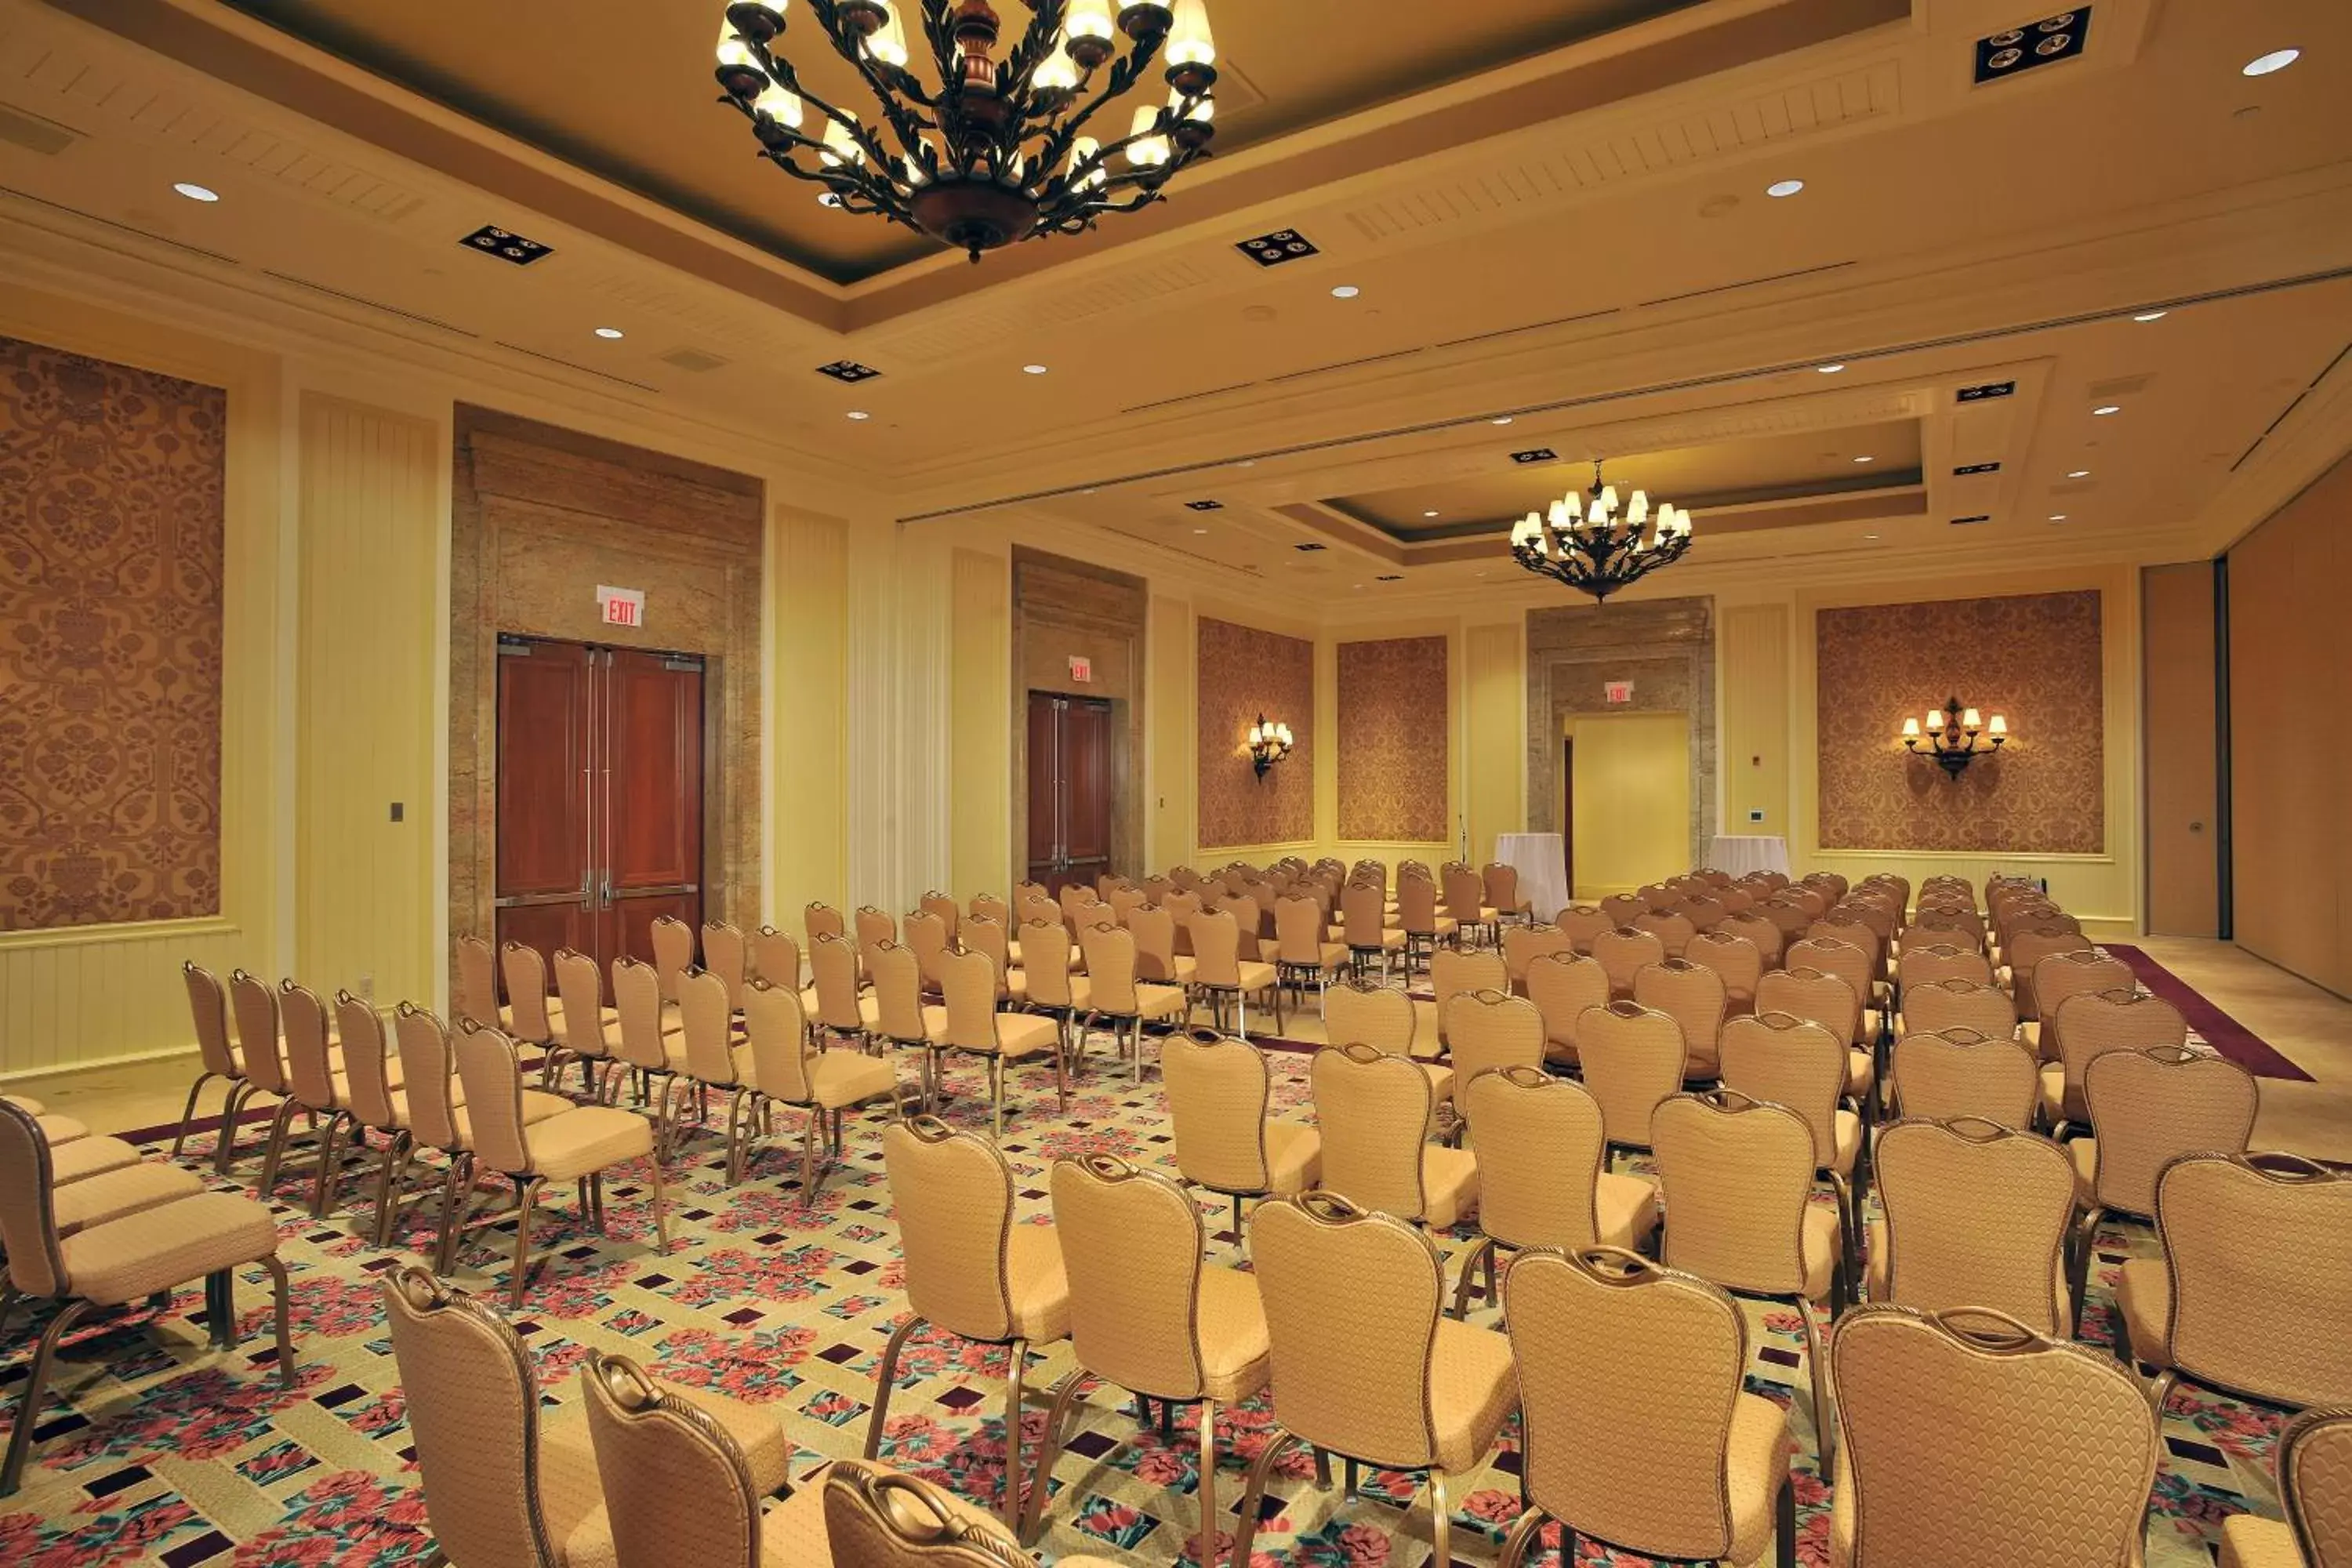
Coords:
1591,548
997,151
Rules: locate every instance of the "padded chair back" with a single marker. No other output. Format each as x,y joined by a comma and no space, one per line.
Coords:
1736,959
1562,986
1670,927
821,919
1944,960
1045,963
2314,1470
1501,883
1416,901
1666,1352
208,1004
256,1006
477,979
673,941
1373,1111
775,958
779,1035
2064,975
309,1063
1736,1174
1465,893
832,965
427,1067
1365,1014
1154,929
927,938
1491,1031
1583,922
873,927
707,1012
876,1517
1848,962
1946,1074
1217,945
953,1194
487,1067
1762,932
942,907
1540,1149
1523,945
993,908
2090,1024
526,976
1132,1242
473,1409
1218,1090
1934,1005
1298,930
1110,973
724,955
636,997
897,994
677,1491
360,1028
1693,995
1365,1393
1620,907
968,987
1828,1000
2158,1105
29,1230
582,987
2043,1455
985,934
1623,952
1977,1217
2259,1255
2024,953
1452,972
1791,1061
1633,1059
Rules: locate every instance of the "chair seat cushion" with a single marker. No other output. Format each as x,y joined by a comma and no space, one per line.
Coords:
1037,1283
81,1204
166,1246
2057,1104
1254,975
1294,1157
1237,1351
838,1079
87,1157
588,1138
2248,1541
2085,1151
1449,1185
1847,1144
26,1103
1026,1033
1472,1388
1441,1082
1756,1464
1159,1001
1859,1070
1820,1250
58,1129
1625,1210
2144,1300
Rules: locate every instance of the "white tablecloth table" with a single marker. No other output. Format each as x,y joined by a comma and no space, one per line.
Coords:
1541,863
1740,853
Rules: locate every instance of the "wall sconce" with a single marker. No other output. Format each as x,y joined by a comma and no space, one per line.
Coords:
1951,736
1268,744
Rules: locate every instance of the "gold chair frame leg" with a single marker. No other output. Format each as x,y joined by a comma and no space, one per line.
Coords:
1482,1252
884,1382
391,1177
188,1114
1254,1491
526,1204
224,1146
1009,1506
37,1384
1525,1531
2084,1241
1441,1521
1065,1393
1204,1547
1824,1417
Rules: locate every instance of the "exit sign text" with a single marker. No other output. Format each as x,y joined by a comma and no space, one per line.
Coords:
621,607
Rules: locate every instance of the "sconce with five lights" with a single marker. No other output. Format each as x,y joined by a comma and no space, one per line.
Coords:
1952,737
1268,744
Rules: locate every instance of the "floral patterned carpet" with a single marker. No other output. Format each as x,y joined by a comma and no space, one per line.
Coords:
154,1449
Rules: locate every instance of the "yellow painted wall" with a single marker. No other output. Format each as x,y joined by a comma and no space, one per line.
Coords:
1752,654
808,607
1170,781
1494,741
370,545
1630,811
111,992
980,723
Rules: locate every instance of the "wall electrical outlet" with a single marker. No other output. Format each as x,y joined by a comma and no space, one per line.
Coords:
1756,815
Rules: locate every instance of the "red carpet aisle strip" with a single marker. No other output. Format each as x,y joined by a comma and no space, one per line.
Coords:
2224,1033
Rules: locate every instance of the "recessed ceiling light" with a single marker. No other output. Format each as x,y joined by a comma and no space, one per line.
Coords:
2150,316
1346,291
2057,517
610,333
196,193
1430,514
1784,187
1828,369
859,413
1247,463
1865,460
1500,419
1033,370
1200,530
2276,60
1870,536
2078,473
2108,408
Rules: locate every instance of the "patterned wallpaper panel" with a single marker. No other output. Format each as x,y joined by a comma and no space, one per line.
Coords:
1242,673
2034,658
1393,733
111,484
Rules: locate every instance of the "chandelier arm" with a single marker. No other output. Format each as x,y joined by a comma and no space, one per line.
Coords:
1125,72
886,90
1020,64
1087,216
781,69
848,187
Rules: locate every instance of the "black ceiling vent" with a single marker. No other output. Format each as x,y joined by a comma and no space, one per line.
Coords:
1205,506
848,371
1274,249
1975,468
2016,50
1308,549
1990,389
1391,577
1964,522
1536,455
506,245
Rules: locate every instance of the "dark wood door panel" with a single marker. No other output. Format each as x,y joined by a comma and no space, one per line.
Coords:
548,928
652,770
1044,786
545,717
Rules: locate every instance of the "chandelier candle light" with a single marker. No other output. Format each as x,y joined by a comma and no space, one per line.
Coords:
986,152
1268,744
1951,736
1590,547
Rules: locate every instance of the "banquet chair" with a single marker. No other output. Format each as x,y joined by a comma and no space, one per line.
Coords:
1525,943
1625,952
971,1271
974,1025
1830,1001
1695,1466
2015,972
1501,882
1406,1388
776,957
1762,933
132,1258
1851,963
942,907
1633,1060
1737,1178
787,1069
927,938
820,919
716,1060
2064,975
1358,1012
2254,1293
1984,1442
531,1015
1424,929
726,956
1364,927
1541,1182
2312,1458
673,941
501,1489
903,1019
1375,1111
985,934
1493,1030
1944,960
476,980
261,1049
1156,958
841,1013
1694,996
1736,959
1798,1063
1465,903
1047,988
653,1046
701,1509
581,985
1583,922
1220,1092
1946,1074
1221,971
579,1145
217,1053
1116,997
1302,956
1148,1315
1933,1007
1670,927
2089,1024
1454,971
375,1106
314,1085
1974,1215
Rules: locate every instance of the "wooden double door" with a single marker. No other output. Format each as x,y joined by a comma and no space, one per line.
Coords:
599,796
1070,786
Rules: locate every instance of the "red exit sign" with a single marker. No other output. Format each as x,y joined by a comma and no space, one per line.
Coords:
621,606
1082,669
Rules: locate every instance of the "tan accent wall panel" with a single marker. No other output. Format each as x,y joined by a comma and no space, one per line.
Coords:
1496,678
1243,672
2177,729
1394,731
2036,658
111,516
1172,776
810,603
2290,766
1754,653
982,736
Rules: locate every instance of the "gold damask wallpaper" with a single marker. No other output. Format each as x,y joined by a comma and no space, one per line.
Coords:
2034,658
111,484
1394,730
1242,672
